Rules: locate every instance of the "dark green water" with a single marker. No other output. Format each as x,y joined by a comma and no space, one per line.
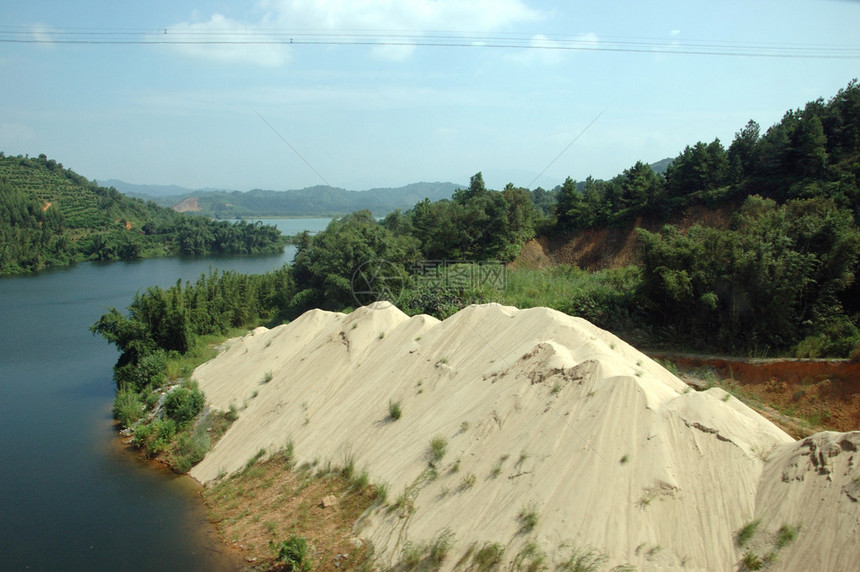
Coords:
70,497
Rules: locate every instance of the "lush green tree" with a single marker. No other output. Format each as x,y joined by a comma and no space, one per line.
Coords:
810,150
766,284
640,185
521,219
477,224
570,210
323,270
698,168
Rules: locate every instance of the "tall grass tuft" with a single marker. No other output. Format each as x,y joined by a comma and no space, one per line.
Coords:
394,410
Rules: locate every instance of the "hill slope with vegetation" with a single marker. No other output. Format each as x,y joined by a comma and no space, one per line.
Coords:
51,216
321,200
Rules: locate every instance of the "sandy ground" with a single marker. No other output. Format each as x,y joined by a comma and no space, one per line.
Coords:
555,432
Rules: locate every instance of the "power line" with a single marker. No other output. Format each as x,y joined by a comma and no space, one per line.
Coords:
304,37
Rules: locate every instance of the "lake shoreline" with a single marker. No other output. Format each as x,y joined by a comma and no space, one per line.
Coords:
228,556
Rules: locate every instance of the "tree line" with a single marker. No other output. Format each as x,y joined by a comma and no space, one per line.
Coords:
781,278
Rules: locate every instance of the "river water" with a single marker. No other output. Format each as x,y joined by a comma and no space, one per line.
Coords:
71,497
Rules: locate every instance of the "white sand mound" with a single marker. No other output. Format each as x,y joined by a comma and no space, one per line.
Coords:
542,414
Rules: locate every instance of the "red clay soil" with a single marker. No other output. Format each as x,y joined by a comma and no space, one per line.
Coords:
612,247
188,205
826,393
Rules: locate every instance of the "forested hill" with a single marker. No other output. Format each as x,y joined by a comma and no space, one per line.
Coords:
320,200
51,216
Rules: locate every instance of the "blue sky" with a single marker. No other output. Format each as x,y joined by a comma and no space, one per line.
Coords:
516,83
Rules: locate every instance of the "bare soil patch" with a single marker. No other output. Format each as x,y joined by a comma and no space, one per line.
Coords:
269,501
801,396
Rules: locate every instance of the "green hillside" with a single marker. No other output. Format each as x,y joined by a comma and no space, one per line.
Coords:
320,200
51,216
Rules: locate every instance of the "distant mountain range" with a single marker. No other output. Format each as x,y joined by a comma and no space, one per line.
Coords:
312,201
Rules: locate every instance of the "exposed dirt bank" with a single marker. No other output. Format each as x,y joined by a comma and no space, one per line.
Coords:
824,393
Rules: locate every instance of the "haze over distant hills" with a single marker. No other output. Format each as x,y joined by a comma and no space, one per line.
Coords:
319,200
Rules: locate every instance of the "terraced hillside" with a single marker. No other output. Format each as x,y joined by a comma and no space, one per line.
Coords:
52,216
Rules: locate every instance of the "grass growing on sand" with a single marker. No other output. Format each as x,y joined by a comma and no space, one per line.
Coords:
528,518
288,504
746,533
394,410
437,449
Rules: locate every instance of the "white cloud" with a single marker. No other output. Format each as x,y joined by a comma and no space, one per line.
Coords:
402,15
42,34
394,26
548,51
224,40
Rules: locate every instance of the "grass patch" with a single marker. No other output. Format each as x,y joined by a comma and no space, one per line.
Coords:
528,518
467,482
394,410
285,502
128,408
293,554
489,557
530,559
751,561
440,546
437,449
497,469
786,535
746,533
582,560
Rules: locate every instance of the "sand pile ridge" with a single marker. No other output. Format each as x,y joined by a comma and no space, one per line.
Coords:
557,434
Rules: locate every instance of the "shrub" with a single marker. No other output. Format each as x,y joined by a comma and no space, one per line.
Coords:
141,435
293,554
160,436
127,407
183,403
191,447
151,369
232,414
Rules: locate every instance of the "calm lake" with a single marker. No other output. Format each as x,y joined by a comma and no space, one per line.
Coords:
71,497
